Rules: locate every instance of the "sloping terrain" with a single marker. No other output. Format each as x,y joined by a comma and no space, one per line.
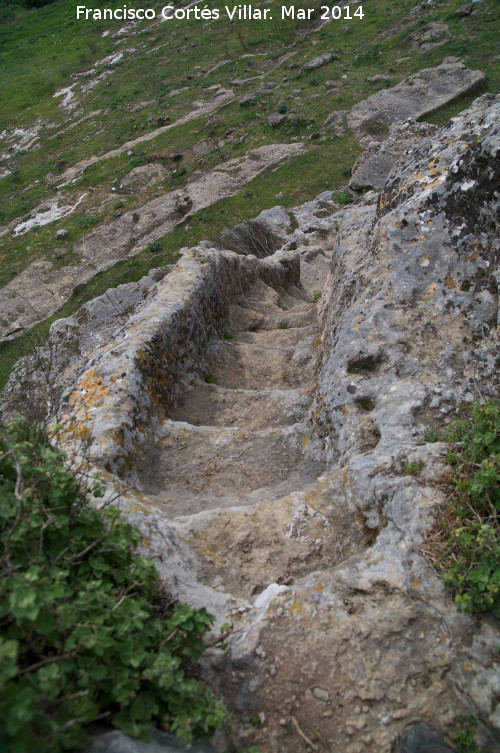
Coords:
270,444
263,421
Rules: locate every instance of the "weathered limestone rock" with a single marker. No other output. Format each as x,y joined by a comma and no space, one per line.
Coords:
430,36
143,177
275,119
161,742
373,166
36,382
416,96
42,289
323,562
319,61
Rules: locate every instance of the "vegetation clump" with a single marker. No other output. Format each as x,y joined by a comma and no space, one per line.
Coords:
470,530
86,632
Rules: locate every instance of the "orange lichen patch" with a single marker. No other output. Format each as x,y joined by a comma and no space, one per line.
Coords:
449,282
357,326
117,437
90,392
473,256
430,291
426,501
296,607
305,441
415,583
316,342
373,335
421,237
320,586
400,190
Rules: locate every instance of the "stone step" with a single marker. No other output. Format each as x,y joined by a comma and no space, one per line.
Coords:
273,540
282,337
202,404
253,366
222,463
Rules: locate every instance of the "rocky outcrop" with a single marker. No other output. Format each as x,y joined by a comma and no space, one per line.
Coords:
373,166
416,96
41,289
264,448
430,36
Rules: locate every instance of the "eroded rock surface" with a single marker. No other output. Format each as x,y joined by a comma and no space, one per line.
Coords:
373,166
416,96
263,439
42,289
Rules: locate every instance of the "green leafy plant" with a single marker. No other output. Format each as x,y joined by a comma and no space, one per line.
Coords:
211,380
155,247
463,733
343,198
283,324
228,335
316,297
412,469
469,550
86,632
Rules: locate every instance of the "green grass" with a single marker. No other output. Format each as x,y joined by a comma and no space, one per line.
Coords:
466,543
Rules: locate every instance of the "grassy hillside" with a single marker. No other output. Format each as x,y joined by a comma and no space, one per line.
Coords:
128,79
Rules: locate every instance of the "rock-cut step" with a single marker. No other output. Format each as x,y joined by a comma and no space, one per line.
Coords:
195,467
252,366
203,404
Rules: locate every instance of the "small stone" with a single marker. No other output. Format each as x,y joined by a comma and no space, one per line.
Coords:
317,62
357,710
321,694
61,234
283,721
275,119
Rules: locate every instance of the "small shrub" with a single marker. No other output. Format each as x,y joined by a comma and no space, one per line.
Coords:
86,222
412,469
431,435
211,380
85,631
155,247
316,297
227,335
343,198
250,237
283,325
346,170
469,550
